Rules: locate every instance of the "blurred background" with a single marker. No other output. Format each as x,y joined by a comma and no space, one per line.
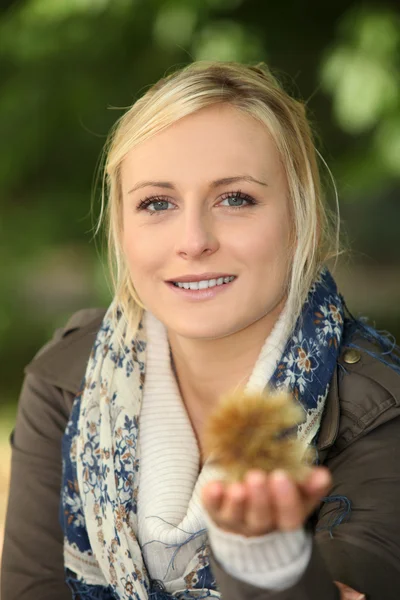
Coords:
69,67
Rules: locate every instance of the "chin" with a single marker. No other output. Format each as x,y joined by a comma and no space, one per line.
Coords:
206,330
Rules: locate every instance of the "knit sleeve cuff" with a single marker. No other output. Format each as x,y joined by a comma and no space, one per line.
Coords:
275,561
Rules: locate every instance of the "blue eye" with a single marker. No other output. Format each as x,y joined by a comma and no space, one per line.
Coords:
236,200
154,205
159,205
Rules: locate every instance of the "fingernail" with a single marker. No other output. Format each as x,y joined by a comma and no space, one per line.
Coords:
279,474
323,479
256,477
281,479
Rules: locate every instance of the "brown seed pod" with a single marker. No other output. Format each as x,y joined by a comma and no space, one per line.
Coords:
257,431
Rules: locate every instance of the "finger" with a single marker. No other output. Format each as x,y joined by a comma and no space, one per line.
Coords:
315,487
259,517
231,513
319,480
348,593
289,508
212,496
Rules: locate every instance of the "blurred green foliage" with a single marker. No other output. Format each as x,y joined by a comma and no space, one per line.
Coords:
69,67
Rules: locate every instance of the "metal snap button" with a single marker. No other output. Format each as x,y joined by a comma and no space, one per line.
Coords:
351,356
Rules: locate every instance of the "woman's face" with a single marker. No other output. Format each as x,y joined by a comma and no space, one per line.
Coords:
203,201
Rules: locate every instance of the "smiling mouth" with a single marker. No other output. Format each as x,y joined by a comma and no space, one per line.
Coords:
204,284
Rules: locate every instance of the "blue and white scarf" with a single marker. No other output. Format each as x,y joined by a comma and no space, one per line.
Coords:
101,461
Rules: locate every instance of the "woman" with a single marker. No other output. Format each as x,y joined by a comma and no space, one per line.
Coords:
218,237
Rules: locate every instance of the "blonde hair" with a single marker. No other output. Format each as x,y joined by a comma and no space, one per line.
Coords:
256,92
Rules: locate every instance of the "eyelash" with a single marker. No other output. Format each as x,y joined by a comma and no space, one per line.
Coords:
145,203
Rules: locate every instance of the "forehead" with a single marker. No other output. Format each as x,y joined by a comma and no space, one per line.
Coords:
214,142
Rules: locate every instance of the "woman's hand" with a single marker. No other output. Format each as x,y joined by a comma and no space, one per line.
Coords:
264,503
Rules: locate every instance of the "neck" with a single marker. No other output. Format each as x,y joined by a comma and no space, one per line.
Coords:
208,368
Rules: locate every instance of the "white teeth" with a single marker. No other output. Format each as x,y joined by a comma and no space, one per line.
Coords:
204,284
222,280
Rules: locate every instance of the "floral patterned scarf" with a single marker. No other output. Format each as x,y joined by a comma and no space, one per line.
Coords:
101,461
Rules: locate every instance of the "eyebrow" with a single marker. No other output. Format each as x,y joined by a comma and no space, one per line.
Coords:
214,184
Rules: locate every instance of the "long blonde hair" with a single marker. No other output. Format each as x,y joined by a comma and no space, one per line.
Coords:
256,92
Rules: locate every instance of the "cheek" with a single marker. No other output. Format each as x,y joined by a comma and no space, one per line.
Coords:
137,250
268,243
145,252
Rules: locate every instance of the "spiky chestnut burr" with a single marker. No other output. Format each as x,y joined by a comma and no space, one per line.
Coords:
255,431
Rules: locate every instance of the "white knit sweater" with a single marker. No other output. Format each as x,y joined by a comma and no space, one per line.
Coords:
169,502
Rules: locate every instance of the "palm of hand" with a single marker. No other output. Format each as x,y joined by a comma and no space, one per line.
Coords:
263,502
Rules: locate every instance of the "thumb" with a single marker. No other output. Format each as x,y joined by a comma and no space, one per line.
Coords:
348,593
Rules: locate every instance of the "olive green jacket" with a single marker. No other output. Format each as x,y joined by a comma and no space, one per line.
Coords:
359,441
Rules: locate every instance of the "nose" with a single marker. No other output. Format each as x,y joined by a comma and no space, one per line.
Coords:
196,236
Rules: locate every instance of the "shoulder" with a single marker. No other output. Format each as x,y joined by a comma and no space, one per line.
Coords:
364,394
62,361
